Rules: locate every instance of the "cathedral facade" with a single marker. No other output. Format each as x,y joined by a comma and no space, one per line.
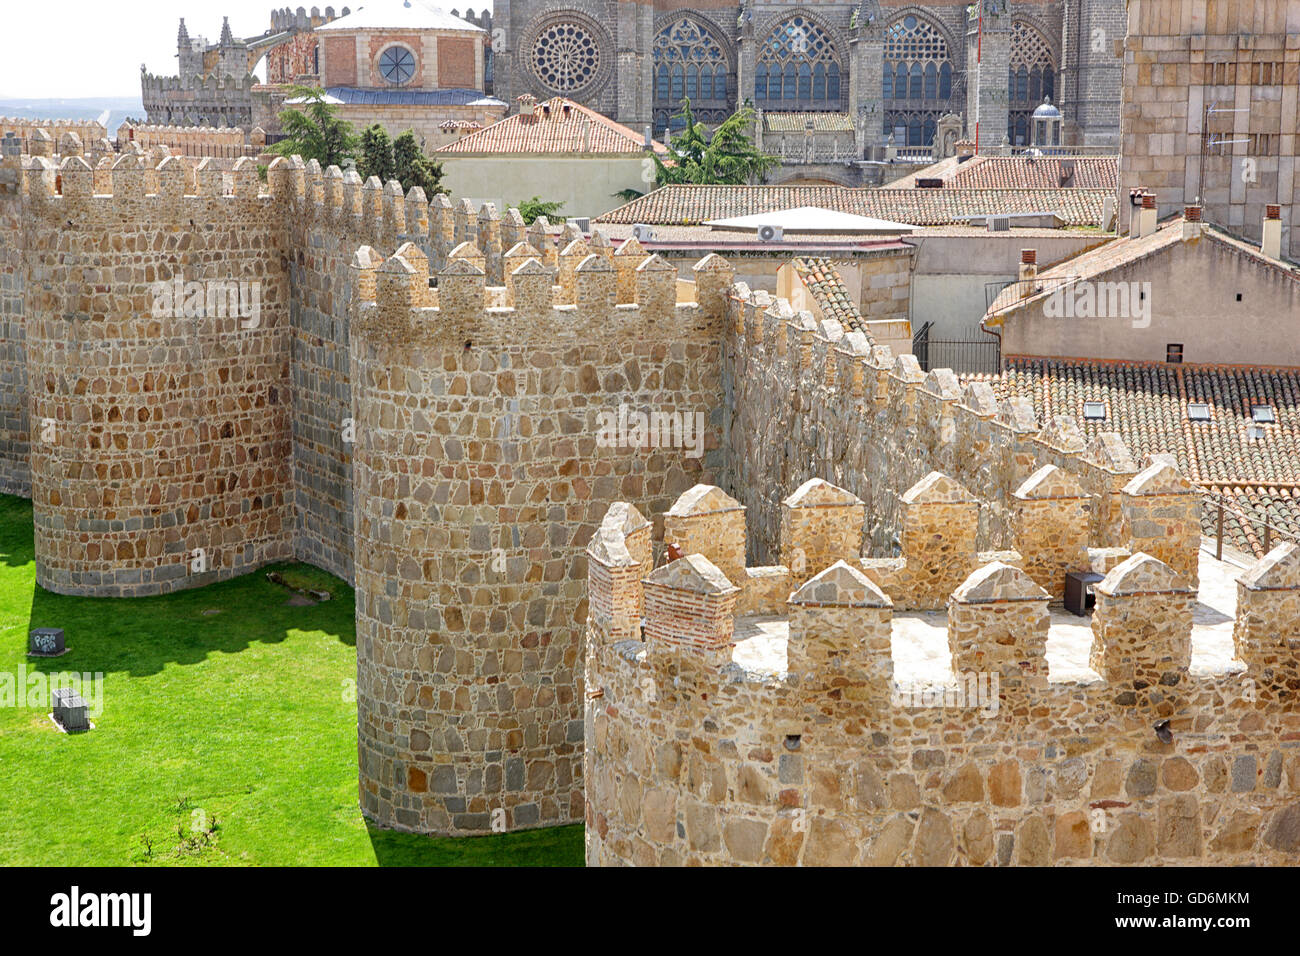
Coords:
893,67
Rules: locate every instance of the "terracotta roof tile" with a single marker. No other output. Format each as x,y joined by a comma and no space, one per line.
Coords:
1035,172
686,205
563,130
1146,403
826,286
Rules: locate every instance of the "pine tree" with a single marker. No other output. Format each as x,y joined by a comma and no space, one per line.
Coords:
412,168
315,132
729,157
376,158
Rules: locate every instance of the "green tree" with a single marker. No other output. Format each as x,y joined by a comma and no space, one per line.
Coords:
315,131
530,209
376,156
728,157
412,168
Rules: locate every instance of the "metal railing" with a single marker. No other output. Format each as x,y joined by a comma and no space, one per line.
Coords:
1258,535
977,354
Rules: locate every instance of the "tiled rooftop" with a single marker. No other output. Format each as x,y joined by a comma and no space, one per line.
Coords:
685,205
1035,172
1124,251
826,286
798,122
1146,403
561,130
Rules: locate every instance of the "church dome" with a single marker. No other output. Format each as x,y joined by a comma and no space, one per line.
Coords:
1047,110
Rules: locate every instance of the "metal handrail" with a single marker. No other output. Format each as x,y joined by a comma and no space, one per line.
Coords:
1222,506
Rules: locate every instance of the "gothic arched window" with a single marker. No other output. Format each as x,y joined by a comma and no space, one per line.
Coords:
689,62
798,68
1031,79
917,75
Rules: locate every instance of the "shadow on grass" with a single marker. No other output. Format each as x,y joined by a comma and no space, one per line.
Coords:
17,544
552,846
141,636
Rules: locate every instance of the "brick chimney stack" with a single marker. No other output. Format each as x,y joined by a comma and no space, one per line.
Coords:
1028,271
1271,243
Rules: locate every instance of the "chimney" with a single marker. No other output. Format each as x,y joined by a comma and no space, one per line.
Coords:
586,135
1191,222
1271,244
1144,217
1028,271
649,139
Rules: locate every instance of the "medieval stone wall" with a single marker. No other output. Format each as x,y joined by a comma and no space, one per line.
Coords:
484,460
159,451
815,753
806,400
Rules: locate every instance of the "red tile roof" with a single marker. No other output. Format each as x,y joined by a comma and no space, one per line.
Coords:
563,130
826,286
1035,172
686,205
1146,403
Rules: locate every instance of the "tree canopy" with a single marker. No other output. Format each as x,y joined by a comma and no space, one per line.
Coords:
728,157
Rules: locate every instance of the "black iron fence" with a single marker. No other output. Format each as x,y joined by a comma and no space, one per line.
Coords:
975,352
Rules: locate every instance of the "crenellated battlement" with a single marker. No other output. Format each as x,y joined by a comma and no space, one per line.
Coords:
828,724
406,312
875,422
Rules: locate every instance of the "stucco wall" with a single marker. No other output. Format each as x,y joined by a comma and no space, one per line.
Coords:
585,184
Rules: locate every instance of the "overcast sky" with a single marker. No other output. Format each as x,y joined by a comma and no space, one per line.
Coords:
75,48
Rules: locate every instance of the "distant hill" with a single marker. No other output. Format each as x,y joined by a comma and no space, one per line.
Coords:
110,110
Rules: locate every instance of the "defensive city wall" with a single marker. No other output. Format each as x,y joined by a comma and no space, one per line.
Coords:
441,406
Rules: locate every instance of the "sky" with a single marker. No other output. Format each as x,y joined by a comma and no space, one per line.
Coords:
82,48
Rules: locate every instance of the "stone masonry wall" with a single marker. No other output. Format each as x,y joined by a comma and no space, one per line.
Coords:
823,758
805,400
159,456
481,472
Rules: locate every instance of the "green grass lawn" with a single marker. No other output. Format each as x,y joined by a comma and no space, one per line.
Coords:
228,735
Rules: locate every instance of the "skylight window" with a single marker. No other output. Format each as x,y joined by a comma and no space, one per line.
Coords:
1256,431
1198,412
1094,411
1262,414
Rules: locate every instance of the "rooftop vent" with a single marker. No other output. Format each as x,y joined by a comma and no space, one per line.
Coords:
1198,412
1262,414
1255,431
999,223
1094,411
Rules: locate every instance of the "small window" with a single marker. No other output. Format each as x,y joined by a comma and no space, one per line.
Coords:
1198,412
1262,414
1094,411
1174,352
1238,296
